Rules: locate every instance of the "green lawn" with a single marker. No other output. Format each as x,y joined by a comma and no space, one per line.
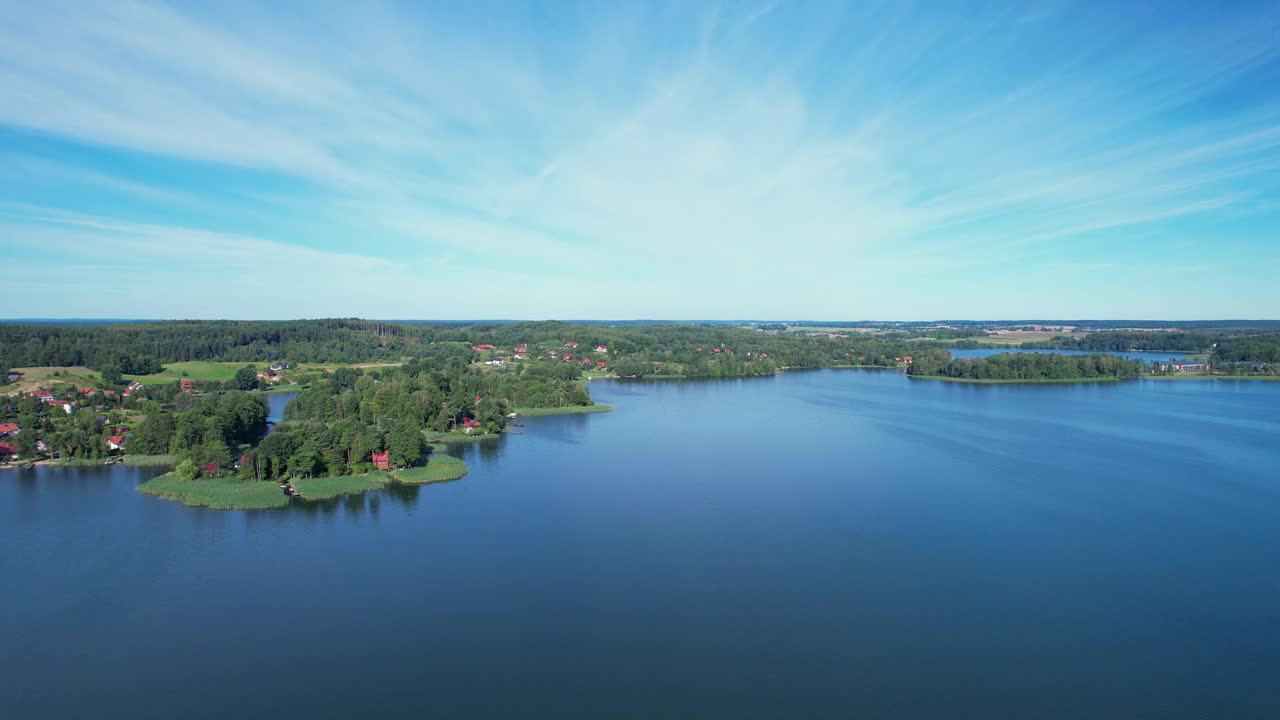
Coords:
438,468
567,410
195,370
230,493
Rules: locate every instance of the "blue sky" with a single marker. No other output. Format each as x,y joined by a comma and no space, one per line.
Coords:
764,160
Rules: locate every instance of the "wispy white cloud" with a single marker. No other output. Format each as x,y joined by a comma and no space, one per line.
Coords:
820,149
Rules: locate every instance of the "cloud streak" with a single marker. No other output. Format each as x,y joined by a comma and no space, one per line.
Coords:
827,156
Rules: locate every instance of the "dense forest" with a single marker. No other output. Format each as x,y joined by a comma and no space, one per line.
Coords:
1249,349
1122,341
1027,367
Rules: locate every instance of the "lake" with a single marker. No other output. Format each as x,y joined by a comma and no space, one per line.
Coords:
818,544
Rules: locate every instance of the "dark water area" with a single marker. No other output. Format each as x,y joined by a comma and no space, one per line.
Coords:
275,405
823,544
1146,357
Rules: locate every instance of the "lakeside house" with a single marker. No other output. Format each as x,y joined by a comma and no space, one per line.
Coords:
382,460
269,375
469,425
8,452
115,442
7,429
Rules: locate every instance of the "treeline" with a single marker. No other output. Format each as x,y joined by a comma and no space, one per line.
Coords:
1249,349
697,350
141,348
1123,341
1027,366
206,429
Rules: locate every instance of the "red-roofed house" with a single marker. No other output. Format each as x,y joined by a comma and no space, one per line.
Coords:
211,468
486,346
7,429
7,452
568,357
478,399
186,386
469,425
571,344
85,391
115,442
269,375
601,363
382,460
602,348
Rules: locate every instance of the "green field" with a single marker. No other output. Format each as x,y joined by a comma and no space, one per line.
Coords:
195,370
438,469
44,377
230,493
567,410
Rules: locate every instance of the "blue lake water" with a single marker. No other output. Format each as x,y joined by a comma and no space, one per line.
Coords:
1143,356
818,544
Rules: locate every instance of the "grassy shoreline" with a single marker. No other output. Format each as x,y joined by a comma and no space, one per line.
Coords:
150,460
566,410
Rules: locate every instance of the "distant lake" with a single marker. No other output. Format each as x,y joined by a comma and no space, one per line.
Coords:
275,405
841,543
1143,356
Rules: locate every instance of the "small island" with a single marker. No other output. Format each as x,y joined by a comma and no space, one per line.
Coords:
1025,368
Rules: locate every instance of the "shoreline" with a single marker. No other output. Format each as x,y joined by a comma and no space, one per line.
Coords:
988,381
234,493
566,410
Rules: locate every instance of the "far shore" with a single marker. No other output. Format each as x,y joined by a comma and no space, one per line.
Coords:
1014,381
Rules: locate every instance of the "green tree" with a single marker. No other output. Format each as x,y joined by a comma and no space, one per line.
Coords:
111,376
186,470
246,378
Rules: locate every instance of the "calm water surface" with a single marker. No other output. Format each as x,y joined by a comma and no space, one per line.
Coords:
829,544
